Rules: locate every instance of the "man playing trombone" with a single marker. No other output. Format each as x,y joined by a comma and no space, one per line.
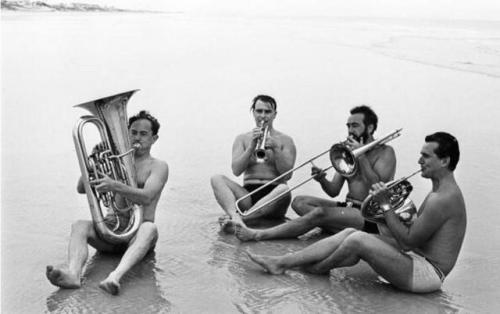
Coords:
260,155
417,256
376,165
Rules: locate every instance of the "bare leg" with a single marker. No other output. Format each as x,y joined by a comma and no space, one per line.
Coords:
276,206
144,240
69,276
309,255
333,219
226,193
384,258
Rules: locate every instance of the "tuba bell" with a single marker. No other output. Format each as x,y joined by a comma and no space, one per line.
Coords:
114,157
399,191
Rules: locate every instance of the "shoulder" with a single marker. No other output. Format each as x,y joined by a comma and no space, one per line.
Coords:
284,137
242,137
447,203
158,165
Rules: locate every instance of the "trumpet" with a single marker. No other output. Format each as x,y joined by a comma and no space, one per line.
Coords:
260,150
114,158
342,158
399,191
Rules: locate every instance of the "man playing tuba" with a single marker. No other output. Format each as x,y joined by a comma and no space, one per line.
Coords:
378,164
151,174
417,257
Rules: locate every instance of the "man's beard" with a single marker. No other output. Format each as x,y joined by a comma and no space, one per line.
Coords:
364,136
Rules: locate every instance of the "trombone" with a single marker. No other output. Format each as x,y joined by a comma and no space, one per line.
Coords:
342,158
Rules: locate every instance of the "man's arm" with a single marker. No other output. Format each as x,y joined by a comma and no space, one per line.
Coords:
383,169
241,155
152,187
332,188
432,217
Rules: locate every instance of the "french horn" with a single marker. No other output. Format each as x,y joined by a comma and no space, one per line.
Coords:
115,159
399,191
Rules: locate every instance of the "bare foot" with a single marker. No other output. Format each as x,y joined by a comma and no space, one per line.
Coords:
61,277
269,263
226,224
110,285
244,233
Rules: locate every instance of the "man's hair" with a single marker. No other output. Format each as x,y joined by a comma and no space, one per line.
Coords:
143,114
369,116
447,147
264,98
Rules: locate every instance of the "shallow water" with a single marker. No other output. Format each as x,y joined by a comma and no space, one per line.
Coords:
197,75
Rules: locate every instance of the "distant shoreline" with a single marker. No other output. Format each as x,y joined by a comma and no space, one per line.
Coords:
40,6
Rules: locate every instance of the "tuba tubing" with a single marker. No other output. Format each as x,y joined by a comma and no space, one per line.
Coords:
110,118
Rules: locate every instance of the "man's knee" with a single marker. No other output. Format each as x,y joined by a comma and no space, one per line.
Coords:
217,179
355,239
299,202
149,231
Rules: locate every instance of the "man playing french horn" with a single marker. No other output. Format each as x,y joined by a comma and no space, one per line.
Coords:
378,164
151,174
415,257
260,155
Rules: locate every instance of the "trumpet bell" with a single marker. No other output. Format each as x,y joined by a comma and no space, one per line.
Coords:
343,160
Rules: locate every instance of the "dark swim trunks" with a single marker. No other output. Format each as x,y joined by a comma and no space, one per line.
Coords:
369,227
257,196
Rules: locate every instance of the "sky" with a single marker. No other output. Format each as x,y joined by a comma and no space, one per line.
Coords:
454,9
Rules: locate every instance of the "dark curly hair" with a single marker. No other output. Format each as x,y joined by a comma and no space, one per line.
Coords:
143,114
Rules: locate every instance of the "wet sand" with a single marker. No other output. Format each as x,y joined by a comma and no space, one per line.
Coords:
198,75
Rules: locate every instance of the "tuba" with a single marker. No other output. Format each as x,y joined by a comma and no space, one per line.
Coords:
260,149
399,191
113,157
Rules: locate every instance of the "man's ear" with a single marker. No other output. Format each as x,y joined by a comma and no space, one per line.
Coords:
155,138
370,127
445,161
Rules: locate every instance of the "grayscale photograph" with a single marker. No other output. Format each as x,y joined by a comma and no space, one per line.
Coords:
238,156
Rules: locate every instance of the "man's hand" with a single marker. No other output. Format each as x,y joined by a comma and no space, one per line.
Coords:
318,173
381,195
104,183
257,134
353,143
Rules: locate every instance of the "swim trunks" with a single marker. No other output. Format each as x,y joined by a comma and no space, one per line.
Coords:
257,196
369,227
426,276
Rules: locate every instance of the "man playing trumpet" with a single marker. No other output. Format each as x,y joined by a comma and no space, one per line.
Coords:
152,174
418,256
279,156
376,165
